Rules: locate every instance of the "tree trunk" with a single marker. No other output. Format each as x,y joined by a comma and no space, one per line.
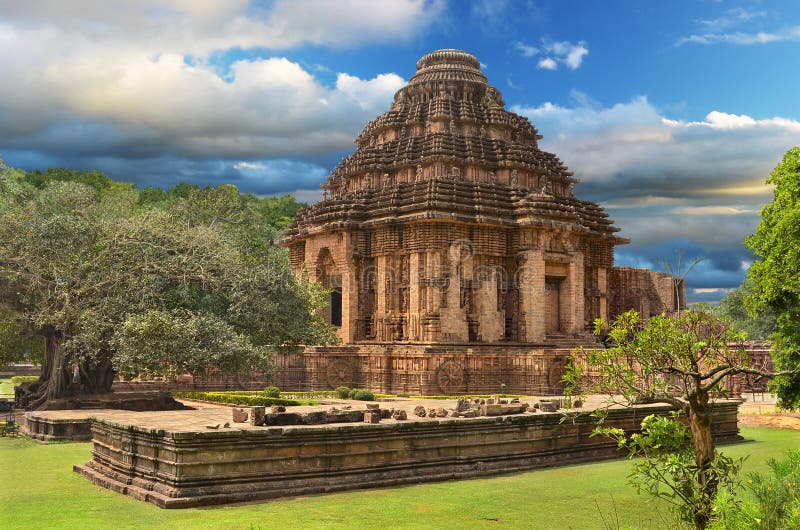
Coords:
699,417
97,376
56,379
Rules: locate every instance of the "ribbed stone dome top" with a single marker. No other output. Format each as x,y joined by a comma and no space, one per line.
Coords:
448,56
448,65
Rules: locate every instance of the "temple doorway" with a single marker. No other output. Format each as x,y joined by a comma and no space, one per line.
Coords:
329,278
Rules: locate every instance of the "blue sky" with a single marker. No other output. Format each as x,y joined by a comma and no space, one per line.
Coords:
671,113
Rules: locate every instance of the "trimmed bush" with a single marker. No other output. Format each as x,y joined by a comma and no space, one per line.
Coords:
19,379
342,392
272,392
363,395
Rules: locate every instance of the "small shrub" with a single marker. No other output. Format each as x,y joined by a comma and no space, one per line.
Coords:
19,379
342,392
773,503
364,395
272,392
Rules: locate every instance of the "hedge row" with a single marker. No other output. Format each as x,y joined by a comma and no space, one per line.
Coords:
242,399
19,379
470,396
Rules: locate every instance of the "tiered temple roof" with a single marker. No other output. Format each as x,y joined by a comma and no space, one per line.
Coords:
447,148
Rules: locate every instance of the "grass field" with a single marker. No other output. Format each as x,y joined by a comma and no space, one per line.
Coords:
38,489
6,388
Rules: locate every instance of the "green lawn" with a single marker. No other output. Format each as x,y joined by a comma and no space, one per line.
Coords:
6,388
39,490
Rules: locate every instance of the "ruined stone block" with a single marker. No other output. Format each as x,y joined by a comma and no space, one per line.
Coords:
399,415
372,417
239,415
257,415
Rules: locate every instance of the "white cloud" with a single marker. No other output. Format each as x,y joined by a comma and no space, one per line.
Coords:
62,91
787,34
670,183
198,27
712,210
371,95
526,50
249,166
547,63
730,18
555,52
635,140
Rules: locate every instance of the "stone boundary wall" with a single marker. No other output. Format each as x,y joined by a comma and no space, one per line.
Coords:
185,469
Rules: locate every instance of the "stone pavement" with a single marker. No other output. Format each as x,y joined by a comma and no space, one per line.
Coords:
213,414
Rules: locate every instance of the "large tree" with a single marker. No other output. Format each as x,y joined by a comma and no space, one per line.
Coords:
775,275
682,360
733,310
118,281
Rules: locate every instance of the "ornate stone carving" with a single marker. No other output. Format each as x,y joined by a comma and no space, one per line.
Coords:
339,373
450,377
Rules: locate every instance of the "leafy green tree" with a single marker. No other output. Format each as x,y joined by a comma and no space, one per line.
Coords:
682,360
16,345
732,309
775,275
116,284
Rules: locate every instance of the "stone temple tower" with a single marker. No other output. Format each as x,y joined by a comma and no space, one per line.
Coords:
449,230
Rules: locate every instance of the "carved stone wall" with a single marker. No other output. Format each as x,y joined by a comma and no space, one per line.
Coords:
646,291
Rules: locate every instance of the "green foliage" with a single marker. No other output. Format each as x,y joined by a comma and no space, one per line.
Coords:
342,392
773,504
157,282
775,275
665,466
181,341
681,360
272,392
732,310
19,379
16,345
362,395
233,398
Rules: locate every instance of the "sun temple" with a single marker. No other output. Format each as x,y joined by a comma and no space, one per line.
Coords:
457,254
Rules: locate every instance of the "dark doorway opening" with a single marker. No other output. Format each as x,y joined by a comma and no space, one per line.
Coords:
336,308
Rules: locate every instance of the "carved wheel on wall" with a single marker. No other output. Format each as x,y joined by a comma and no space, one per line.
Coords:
449,377
339,373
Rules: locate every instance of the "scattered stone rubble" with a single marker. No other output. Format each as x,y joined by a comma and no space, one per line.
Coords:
374,413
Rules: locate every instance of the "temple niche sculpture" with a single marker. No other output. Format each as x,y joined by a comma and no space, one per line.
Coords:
456,252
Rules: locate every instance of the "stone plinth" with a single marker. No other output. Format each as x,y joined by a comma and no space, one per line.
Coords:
184,469
418,369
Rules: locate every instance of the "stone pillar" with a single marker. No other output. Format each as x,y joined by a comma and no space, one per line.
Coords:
602,286
491,322
532,295
414,305
453,318
349,305
381,324
572,301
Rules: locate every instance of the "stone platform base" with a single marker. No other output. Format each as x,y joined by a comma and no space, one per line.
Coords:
184,469
57,430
